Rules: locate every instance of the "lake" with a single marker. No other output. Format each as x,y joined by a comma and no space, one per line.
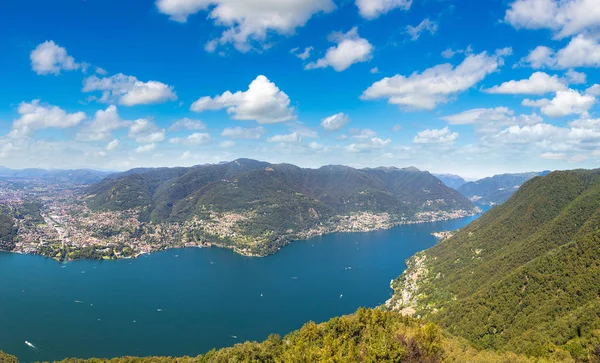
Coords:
188,301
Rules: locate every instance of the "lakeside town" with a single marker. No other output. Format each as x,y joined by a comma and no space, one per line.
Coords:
53,220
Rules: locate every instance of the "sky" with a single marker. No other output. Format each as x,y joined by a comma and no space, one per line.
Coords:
473,88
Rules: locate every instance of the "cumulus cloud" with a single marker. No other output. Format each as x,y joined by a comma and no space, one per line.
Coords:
564,17
50,58
367,144
187,124
113,145
530,134
287,138
145,132
252,133
580,52
102,126
36,116
304,55
197,138
128,90
435,85
569,102
575,77
540,57
435,136
362,133
248,21
537,84
145,148
335,122
263,102
371,9
350,49
425,26
227,144
491,120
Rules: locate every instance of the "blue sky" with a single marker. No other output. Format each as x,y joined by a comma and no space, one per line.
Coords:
467,87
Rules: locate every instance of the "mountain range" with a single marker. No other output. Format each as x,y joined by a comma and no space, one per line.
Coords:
262,206
496,189
451,180
77,176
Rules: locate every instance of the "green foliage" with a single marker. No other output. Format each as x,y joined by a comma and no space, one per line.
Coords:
5,358
526,276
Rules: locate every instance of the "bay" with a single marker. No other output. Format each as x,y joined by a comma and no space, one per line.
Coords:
188,301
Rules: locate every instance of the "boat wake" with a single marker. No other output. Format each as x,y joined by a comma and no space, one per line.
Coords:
30,345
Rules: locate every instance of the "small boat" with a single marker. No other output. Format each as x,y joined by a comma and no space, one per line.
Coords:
261,294
341,295
234,336
30,345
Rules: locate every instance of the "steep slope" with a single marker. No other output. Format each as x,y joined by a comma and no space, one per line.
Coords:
497,189
524,277
257,207
451,180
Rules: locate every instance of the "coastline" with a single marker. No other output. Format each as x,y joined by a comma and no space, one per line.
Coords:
281,241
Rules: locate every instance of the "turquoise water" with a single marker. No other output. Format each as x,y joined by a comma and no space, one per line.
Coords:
188,301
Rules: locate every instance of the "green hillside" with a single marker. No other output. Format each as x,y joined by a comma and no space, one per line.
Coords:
524,277
257,207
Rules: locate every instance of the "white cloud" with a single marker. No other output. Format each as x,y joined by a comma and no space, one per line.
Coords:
350,49
435,85
113,145
49,58
425,25
335,122
593,90
35,116
145,148
374,70
304,55
491,120
362,133
197,138
540,57
251,133
537,84
530,134
128,90
553,156
248,21
368,144
145,132
580,52
371,9
288,138
435,136
564,17
396,127
575,77
187,124
102,126
565,103
263,102
227,144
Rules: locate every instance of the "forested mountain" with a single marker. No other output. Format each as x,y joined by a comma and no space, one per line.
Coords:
451,180
496,189
524,277
260,206
78,176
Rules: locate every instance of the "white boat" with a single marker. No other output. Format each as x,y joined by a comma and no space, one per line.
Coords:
30,345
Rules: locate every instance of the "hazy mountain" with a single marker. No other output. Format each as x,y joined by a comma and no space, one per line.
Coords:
79,176
451,180
524,277
496,189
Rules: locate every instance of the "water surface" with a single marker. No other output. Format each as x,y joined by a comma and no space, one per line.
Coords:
188,301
